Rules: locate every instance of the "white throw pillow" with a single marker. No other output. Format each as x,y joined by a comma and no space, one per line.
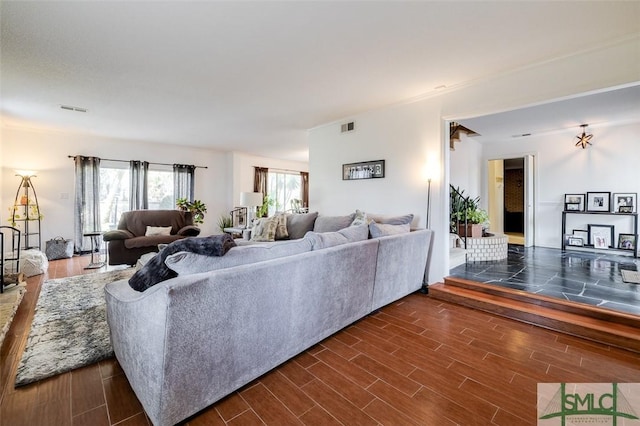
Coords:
378,230
158,230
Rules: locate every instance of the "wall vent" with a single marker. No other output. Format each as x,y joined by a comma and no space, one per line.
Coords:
72,108
348,127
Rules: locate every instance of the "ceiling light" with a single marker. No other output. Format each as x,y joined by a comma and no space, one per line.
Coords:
584,138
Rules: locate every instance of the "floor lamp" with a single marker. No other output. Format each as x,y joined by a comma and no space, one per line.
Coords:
425,279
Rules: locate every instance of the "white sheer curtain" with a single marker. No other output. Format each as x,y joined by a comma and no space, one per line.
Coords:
138,187
87,201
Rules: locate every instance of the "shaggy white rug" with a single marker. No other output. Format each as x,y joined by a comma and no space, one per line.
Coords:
9,302
69,329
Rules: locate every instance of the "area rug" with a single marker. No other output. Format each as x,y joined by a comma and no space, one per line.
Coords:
9,302
69,329
632,277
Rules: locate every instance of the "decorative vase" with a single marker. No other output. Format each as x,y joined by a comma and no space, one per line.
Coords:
474,230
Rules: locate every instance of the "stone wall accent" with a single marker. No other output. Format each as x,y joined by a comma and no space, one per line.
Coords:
487,248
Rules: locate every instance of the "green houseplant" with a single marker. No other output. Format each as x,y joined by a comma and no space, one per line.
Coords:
263,210
196,207
466,210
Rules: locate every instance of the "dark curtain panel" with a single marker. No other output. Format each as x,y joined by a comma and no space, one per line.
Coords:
138,187
260,180
304,176
184,181
87,201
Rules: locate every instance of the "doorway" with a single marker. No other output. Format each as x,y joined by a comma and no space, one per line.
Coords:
511,198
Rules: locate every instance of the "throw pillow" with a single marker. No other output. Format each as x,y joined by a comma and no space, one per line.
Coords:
281,228
299,224
158,230
378,230
320,240
391,220
265,229
360,218
332,223
155,270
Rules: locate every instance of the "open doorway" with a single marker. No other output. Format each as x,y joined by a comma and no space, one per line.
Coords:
511,198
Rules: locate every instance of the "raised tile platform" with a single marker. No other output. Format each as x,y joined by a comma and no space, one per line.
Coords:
487,249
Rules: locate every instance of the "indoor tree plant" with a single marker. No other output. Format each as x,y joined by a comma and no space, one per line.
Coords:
196,207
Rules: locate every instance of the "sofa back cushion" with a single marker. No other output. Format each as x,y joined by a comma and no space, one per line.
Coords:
332,223
299,224
350,234
391,220
378,230
136,221
189,263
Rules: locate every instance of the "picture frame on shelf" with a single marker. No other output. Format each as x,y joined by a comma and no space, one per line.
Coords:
599,202
601,236
574,199
581,233
363,170
625,202
575,241
572,207
627,241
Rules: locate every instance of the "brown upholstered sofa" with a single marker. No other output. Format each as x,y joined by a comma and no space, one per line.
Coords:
140,231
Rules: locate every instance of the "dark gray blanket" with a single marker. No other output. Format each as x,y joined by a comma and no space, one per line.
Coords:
155,271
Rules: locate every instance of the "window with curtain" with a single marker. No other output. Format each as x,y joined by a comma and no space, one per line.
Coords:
282,187
183,181
87,200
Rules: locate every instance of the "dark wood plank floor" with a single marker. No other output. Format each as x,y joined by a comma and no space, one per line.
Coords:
416,362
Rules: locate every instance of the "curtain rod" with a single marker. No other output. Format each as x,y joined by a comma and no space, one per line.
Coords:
281,170
155,164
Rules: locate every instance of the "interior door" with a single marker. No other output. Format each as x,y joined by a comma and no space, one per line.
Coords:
529,201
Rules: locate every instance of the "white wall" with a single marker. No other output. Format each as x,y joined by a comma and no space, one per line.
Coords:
46,152
610,165
407,135
465,170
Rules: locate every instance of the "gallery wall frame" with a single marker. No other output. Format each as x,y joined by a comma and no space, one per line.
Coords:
363,170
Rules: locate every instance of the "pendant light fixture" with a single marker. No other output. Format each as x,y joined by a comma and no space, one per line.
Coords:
584,138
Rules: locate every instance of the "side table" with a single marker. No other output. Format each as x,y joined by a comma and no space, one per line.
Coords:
95,243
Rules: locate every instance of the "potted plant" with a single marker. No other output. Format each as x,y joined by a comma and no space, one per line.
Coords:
465,211
263,210
196,207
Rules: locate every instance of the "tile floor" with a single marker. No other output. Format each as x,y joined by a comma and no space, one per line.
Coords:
578,276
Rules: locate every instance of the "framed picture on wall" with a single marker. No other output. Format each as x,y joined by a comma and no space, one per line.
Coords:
598,201
363,170
574,202
625,202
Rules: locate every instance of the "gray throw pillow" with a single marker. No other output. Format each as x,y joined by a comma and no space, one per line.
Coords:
391,220
332,223
321,240
378,230
300,224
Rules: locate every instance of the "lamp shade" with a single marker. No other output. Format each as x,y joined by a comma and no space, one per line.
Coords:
251,199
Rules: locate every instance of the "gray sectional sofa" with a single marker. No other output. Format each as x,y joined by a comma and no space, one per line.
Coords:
189,341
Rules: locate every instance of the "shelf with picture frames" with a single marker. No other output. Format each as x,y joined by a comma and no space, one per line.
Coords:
600,236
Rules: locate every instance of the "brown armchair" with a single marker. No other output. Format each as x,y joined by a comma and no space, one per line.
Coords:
140,231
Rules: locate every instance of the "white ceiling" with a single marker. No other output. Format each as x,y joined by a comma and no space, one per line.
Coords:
253,76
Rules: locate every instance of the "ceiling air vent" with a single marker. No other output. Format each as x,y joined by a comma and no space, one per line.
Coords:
72,108
347,127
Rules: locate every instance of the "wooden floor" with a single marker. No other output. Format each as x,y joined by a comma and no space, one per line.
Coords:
416,362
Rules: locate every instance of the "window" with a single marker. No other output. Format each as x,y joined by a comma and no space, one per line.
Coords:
115,187
282,187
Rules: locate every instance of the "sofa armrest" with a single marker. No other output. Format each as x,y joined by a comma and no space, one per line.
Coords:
117,234
189,231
